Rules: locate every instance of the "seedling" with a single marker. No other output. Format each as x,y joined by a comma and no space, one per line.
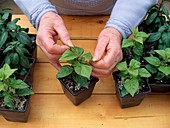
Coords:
133,47
159,65
77,68
12,91
131,77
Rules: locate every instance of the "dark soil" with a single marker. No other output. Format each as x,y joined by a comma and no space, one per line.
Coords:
71,85
143,87
163,81
20,104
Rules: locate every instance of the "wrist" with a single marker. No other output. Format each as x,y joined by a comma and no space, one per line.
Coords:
115,33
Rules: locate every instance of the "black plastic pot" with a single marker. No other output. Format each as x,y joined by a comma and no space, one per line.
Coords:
128,100
16,115
159,87
82,95
29,76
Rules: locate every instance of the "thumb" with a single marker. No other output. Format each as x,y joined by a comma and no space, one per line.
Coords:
63,34
100,48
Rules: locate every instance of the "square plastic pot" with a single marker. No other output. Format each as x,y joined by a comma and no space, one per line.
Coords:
82,95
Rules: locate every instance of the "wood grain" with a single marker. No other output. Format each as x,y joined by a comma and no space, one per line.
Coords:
100,111
50,108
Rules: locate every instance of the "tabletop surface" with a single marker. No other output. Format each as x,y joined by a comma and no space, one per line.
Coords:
50,108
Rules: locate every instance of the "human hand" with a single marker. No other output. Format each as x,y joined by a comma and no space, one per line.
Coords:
108,52
51,28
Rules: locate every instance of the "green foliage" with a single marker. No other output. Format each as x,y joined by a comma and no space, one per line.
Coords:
161,39
14,42
157,16
134,46
15,55
159,65
78,67
11,88
131,76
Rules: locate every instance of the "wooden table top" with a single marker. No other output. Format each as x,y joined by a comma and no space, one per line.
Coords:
50,108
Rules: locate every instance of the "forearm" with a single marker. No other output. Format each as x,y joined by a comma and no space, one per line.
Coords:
128,14
34,9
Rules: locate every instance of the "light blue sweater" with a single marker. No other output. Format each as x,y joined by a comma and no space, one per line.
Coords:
124,14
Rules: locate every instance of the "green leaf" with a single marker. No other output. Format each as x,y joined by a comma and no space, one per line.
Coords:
138,49
7,71
133,73
3,86
139,39
17,84
19,50
162,53
87,56
165,70
134,64
64,71
153,61
83,70
167,50
144,73
154,37
162,28
131,86
24,38
81,81
68,55
5,16
24,61
127,43
165,38
165,11
11,26
159,76
152,69
122,66
24,92
8,100
77,51
124,92
3,38
134,31
8,49
151,18
143,35
15,59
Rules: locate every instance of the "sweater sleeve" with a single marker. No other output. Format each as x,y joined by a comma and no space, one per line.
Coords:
34,9
128,14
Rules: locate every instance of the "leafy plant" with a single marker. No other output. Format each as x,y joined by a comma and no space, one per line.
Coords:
16,56
159,65
15,43
77,68
157,16
11,89
133,47
160,39
131,77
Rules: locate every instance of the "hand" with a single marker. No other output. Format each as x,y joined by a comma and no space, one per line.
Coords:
108,52
51,28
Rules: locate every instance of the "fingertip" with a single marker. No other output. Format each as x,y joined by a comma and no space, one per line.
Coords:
69,43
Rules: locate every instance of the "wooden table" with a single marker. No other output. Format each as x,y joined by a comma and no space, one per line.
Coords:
50,108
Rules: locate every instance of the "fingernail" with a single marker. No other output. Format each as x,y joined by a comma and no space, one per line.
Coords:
95,59
70,43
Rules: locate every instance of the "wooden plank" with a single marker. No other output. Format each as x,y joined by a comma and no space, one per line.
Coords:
45,81
88,45
79,27
100,111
